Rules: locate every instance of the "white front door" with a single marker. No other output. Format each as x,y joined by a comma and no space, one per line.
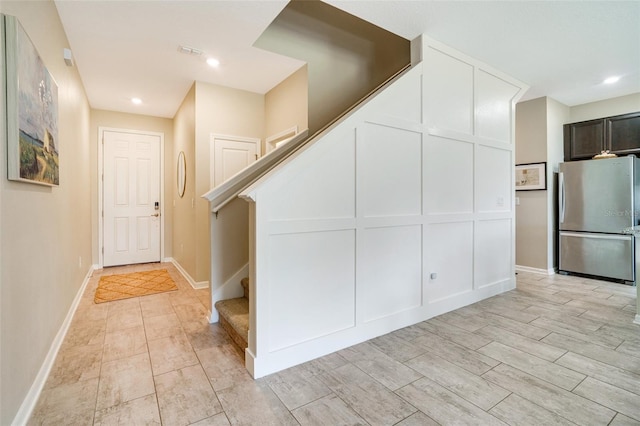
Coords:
131,198
230,155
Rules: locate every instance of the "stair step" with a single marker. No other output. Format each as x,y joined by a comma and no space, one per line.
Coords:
234,318
245,286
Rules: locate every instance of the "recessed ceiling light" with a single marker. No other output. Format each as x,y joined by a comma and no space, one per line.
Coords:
213,62
136,101
611,80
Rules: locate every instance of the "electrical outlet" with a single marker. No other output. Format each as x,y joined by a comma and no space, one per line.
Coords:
500,202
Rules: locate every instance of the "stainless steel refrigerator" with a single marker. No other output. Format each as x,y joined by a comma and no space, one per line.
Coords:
598,206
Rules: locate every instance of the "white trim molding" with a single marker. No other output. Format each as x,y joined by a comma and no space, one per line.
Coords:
551,271
197,285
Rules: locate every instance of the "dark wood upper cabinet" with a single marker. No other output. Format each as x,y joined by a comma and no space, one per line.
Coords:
623,133
585,139
619,134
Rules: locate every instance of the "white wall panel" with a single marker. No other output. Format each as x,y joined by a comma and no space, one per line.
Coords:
390,164
448,176
493,107
348,229
493,252
311,288
391,271
406,100
493,179
448,92
449,249
312,192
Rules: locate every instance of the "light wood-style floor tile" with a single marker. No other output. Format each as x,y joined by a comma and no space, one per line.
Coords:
157,360
367,397
525,344
329,410
557,400
471,361
254,403
526,330
516,410
538,367
396,347
383,368
444,406
604,372
297,387
471,387
608,395
596,352
622,420
455,334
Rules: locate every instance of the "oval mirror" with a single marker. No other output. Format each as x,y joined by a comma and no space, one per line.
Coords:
182,174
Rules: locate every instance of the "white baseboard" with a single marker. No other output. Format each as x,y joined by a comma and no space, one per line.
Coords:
195,284
229,290
30,400
551,271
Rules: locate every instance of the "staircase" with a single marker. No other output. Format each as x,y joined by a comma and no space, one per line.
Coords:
234,317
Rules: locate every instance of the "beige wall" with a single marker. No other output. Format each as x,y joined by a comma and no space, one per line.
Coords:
531,214
209,109
118,120
44,232
286,105
605,108
184,216
347,57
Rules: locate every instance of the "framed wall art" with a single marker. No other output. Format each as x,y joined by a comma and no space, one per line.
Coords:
32,110
531,177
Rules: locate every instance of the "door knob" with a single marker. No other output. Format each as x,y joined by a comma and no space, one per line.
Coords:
156,215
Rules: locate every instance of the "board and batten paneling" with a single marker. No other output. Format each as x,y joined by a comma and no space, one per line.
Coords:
401,212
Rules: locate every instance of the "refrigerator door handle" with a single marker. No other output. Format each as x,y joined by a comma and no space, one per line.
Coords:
561,195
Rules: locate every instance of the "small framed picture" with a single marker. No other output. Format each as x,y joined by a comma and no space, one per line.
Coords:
531,177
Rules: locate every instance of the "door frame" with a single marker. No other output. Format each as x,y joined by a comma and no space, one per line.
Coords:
212,150
100,211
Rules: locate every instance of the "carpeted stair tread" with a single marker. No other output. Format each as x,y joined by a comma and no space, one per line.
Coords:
235,313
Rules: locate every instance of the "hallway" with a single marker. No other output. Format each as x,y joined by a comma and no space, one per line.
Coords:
556,350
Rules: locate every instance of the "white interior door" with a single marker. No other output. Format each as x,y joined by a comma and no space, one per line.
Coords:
131,198
230,155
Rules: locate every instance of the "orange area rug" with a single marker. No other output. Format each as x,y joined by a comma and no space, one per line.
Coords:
124,286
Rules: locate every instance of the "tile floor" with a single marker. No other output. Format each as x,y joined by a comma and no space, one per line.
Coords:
558,350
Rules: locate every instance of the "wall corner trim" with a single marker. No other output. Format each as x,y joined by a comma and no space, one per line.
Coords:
30,400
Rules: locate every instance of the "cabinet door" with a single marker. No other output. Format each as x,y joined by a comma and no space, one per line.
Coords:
623,134
583,140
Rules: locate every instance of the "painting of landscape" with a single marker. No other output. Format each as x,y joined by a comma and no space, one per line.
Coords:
37,98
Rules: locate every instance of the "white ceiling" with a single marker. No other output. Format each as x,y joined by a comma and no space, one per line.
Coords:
562,49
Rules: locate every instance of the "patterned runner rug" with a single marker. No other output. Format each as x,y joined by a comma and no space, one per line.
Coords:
124,286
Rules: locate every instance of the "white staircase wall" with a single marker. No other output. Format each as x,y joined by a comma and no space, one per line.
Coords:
346,234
